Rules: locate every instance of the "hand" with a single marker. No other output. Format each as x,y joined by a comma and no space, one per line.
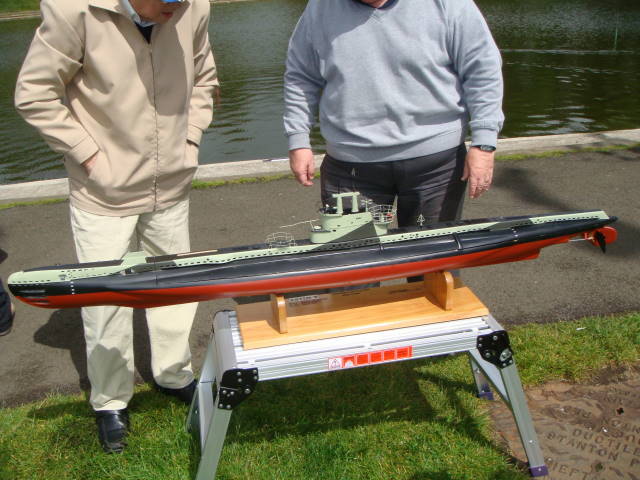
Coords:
302,165
90,163
478,170
217,97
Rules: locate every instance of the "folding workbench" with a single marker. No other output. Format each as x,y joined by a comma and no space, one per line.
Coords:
239,355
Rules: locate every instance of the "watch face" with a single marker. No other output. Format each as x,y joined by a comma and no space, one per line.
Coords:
487,148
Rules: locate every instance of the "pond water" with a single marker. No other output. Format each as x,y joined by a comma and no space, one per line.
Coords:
570,66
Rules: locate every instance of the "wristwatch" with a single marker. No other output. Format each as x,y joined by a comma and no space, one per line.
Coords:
485,148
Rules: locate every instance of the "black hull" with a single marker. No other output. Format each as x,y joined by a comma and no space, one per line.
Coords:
348,264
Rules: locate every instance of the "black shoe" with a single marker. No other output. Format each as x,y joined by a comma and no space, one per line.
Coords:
112,429
185,393
5,327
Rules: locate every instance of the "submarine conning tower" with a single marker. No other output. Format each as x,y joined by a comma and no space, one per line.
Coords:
339,225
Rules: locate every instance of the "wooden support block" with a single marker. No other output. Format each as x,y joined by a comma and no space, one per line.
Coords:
314,317
279,311
439,286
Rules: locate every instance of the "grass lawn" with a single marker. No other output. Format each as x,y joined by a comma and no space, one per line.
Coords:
19,5
413,420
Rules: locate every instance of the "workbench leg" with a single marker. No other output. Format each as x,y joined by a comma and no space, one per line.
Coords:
212,448
482,384
202,405
507,382
210,422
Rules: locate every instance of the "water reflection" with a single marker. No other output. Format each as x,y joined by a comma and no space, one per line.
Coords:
570,66
560,91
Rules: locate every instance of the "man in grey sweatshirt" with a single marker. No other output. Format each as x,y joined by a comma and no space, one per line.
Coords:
397,84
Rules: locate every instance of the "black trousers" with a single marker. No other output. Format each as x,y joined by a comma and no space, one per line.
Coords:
430,186
5,309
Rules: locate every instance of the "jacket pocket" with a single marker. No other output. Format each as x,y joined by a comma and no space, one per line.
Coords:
100,181
191,155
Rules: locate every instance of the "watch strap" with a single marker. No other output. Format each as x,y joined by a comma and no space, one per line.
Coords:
485,148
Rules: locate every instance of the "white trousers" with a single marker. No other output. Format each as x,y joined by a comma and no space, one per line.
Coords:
108,330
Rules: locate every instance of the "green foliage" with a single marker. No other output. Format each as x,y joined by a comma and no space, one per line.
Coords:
32,203
576,350
19,5
409,420
557,153
203,185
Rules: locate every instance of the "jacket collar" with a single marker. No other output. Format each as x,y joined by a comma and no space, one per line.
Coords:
112,5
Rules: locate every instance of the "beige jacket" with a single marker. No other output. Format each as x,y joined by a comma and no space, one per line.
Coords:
91,83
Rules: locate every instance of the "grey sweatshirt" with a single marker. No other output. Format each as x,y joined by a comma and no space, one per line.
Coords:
392,83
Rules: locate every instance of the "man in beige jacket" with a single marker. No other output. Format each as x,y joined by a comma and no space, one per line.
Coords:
123,90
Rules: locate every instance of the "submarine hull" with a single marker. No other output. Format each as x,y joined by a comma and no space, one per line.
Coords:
165,284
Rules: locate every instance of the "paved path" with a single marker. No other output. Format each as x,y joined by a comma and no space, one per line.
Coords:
45,352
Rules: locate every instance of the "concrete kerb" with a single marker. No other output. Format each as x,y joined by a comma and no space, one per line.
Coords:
59,188
567,142
19,15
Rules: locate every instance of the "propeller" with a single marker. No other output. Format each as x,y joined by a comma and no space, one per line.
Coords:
601,241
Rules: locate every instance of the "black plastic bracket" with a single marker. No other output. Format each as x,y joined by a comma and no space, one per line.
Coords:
495,348
236,385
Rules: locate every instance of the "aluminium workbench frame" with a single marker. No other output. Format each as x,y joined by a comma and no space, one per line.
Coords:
230,373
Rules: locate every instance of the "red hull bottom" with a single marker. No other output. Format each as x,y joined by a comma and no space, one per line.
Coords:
298,283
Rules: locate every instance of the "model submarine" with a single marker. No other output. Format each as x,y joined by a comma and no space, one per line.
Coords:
351,246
